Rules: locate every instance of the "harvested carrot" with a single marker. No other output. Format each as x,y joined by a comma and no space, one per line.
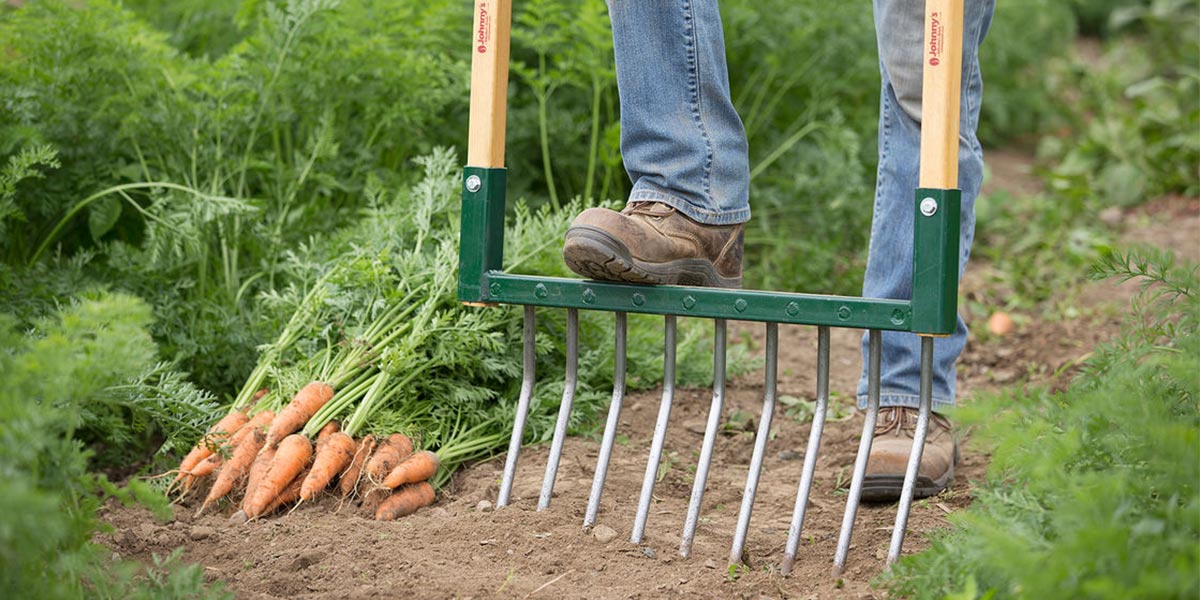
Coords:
289,494
204,448
414,469
331,458
402,443
257,470
405,501
390,452
260,421
291,457
303,406
329,429
373,497
207,466
351,475
234,469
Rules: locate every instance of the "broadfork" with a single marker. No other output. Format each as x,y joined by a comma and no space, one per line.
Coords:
930,313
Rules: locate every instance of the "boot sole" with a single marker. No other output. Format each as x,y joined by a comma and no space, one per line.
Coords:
887,488
595,254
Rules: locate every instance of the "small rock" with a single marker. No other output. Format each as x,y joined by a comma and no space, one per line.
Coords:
1111,216
790,455
438,512
696,426
710,564
648,551
200,532
306,559
484,506
604,534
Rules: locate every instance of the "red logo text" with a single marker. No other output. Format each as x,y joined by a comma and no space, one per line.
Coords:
483,29
937,35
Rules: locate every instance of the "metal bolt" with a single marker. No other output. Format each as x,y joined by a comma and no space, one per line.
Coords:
793,309
844,313
928,207
589,296
638,299
495,288
540,290
898,317
689,302
739,305
474,183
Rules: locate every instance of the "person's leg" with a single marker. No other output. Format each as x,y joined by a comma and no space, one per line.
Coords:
900,32
682,141
684,148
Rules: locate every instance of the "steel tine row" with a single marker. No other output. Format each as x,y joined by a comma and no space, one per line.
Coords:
660,432
807,474
610,427
760,444
710,439
514,444
710,434
564,409
874,353
918,448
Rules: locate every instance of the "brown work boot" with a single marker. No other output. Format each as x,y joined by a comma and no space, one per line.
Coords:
650,242
889,455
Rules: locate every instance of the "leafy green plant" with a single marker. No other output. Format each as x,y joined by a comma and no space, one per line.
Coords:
1092,491
82,387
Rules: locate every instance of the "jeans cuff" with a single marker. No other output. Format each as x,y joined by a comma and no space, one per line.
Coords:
940,405
648,192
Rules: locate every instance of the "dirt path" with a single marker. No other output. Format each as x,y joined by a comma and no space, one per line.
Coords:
456,550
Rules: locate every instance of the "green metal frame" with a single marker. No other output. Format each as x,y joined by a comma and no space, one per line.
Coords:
932,311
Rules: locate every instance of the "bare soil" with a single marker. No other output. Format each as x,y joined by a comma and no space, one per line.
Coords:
458,549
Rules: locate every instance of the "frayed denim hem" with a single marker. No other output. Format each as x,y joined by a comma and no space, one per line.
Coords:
940,405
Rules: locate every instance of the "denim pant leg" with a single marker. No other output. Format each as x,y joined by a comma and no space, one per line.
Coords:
682,141
899,27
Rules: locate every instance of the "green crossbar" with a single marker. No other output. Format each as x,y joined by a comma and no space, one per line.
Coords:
932,311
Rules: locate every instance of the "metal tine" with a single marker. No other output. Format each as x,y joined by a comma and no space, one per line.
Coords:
918,447
660,431
564,409
610,428
760,444
710,439
514,445
810,455
864,450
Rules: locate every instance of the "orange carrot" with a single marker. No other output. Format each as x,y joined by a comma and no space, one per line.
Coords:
234,469
303,406
331,458
204,448
374,496
289,494
329,429
414,469
350,477
390,452
259,421
257,470
291,457
217,458
405,501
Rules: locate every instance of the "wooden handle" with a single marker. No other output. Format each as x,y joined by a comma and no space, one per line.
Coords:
940,93
489,82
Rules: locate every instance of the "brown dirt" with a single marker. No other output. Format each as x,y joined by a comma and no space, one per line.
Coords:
457,550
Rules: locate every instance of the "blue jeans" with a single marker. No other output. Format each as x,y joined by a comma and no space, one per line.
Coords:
684,145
